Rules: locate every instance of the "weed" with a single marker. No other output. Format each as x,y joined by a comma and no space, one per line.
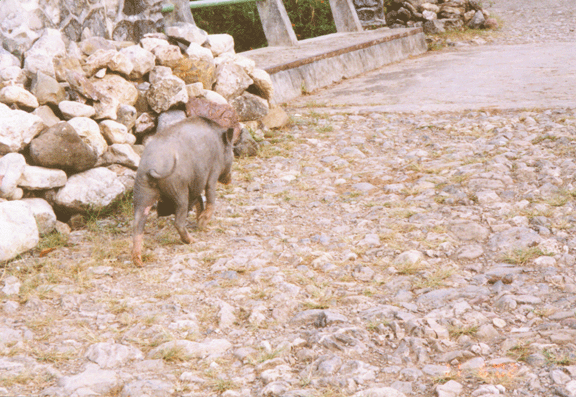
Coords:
409,268
544,137
434,280
520,351
449,375
173,354
324,128
522,256
559,359
53,356
500,374
221,385
374,325
457,331
52,241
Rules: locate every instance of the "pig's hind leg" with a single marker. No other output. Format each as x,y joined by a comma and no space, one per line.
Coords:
206,215
143,201
182,205
199,204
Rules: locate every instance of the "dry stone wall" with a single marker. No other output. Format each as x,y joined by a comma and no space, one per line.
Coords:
434,16
74,116
24,20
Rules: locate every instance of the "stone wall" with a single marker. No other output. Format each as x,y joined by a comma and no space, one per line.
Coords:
370,12
122,20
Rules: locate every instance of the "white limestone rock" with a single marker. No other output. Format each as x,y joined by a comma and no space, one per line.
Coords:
40,178
112,355
142,60
166,93
39,57
231,80
115,132
17,129
17,95
95,188
90,133
11,168
71,109
43,213
220,44
18,229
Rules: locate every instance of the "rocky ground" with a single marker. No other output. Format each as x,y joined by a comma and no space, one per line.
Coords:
377,254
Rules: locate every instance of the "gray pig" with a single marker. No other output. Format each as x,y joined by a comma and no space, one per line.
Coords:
180,163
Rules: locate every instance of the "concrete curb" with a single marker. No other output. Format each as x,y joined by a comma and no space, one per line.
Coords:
319,62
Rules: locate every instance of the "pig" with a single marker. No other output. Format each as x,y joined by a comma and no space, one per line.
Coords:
180,163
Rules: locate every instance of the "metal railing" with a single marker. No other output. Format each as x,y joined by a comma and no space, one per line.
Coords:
207,3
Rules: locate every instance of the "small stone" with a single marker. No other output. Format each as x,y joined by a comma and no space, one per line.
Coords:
11,286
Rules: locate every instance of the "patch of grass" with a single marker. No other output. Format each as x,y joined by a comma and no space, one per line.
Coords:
543,138
553,358
522,256
449,375
374,325
221,385
53,356
52,241
325,128
409,268
174,354
402,213
520,351
558,200
26,378
457,331
113,219
440,41
434,280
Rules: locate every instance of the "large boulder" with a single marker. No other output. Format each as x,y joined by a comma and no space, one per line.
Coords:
92,189
61,147
17,129
18,229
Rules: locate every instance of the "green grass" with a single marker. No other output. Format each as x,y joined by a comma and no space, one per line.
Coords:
522,256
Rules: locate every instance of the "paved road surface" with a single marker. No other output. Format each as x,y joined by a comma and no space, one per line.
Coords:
539,73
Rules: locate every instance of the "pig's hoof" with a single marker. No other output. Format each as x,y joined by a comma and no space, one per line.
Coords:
203,223
187,239
137,260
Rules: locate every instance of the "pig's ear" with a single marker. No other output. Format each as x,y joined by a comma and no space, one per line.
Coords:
228,135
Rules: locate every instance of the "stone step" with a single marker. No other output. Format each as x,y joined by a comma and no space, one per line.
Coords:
318,62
